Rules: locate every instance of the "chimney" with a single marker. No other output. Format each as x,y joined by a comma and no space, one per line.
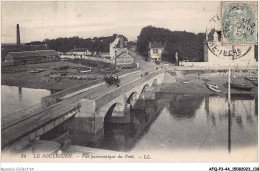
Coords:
121,43
150,45
18,35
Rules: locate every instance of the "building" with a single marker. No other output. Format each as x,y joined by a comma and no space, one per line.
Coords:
80,52
217,54
124,59
23,57
49,55
16,58
116,46
155,51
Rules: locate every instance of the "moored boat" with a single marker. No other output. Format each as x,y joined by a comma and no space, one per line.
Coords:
40,70
186,82
213,87
252,78
237,86
34,71
255,83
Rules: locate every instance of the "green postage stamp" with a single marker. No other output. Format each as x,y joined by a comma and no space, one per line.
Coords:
239,23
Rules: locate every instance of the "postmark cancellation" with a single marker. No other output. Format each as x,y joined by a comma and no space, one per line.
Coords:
239,23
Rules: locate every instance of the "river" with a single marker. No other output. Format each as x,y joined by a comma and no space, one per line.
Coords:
171,122
14,98
182,122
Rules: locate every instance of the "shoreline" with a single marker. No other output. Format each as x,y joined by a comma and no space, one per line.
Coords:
172,84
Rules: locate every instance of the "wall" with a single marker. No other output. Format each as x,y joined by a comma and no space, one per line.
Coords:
54,98
124,58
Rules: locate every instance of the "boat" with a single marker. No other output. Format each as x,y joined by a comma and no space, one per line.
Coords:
252,78
85,71
237,86
186,82
255,83
34,71
40,70
37,71
213,87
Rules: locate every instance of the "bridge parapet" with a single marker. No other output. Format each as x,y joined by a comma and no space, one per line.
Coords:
54,98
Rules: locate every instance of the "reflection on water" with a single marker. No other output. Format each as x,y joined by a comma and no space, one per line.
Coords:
122,137
17,98
178,121
201,122
184,106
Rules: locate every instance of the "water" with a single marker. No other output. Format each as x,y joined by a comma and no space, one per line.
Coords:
17,98
182,122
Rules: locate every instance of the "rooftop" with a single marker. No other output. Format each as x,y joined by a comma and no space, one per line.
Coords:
33,53
48,52
24,54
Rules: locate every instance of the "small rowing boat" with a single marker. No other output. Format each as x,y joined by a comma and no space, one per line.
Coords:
185,82
213,87
34,71
85,71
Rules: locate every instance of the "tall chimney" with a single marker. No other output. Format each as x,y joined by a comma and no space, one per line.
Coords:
150,45
18,35
121,43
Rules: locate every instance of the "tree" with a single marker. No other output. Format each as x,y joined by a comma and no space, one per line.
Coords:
188,45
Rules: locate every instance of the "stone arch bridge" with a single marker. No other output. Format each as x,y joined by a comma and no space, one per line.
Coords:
90,107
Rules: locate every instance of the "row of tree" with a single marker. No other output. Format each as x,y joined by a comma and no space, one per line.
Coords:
188,45
98,44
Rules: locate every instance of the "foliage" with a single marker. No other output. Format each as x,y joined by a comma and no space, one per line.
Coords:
100,44
188,45
92,63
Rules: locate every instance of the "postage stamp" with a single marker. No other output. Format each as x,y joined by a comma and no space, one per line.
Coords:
239,23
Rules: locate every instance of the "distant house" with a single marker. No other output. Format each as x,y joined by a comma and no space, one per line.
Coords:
23,57
49,55
116,46
124,58
155,51
80,52
6,48
39,56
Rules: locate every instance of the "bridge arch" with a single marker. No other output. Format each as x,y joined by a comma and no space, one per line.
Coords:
145,88
132,98
116,110
155,82
109,113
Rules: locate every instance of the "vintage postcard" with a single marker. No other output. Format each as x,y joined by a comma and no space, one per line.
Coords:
93,81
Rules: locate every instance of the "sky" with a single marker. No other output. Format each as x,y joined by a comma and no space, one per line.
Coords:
42,20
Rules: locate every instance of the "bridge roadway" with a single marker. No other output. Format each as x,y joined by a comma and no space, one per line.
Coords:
31,125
